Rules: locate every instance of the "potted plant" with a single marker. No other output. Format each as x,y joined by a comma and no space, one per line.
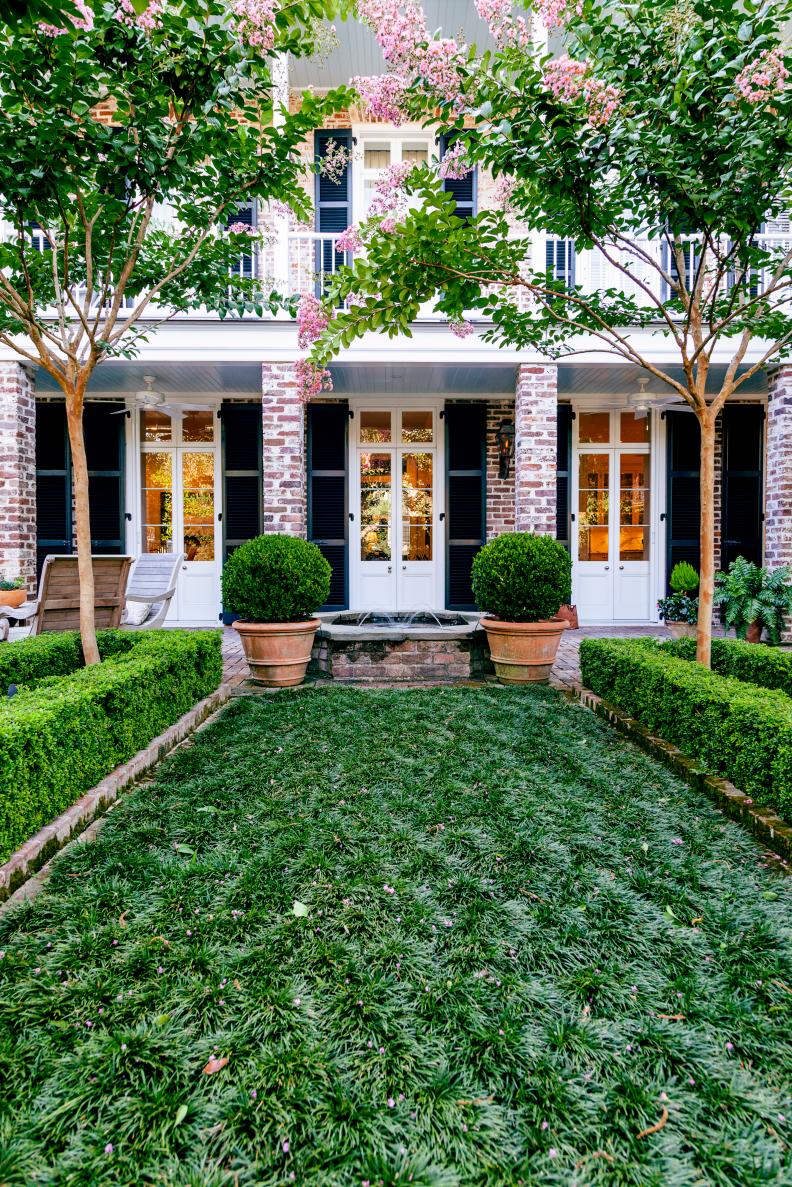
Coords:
13,593
520,580
754,600
679,611
275,583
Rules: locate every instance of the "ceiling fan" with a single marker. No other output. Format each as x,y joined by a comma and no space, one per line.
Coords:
641,401
148,400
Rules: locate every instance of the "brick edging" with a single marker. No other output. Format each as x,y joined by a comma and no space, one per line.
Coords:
769,828
36,852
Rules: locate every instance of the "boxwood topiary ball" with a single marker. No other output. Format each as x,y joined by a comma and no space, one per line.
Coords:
275,579
520,577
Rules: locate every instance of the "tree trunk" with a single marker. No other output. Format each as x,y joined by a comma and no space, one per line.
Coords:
83,528
707,544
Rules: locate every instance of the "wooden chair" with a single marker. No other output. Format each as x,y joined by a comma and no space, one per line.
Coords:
57,607
153,582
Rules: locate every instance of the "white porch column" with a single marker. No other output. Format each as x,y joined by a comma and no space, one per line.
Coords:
283,444
280,107
536,410
17,474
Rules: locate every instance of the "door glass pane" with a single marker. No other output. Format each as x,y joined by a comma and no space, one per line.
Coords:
417,153
375,506
594,428
593,506
376,156
198,505
155,426
634,507
198,426
417,506
375,427
417,427
634,428
157,502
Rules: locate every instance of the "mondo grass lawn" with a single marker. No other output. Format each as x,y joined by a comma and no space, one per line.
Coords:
451,937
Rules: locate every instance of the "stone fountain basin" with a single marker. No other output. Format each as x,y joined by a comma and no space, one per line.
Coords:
423,650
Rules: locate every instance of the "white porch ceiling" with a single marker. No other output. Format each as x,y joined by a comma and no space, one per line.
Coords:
622,379
358,52
424,379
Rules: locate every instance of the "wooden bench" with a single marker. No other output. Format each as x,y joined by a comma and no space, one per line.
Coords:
57,606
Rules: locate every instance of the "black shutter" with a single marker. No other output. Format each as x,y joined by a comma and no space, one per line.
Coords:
328,512
53,483
247,213
466,494
741,529
683,505
333,201
464,189
104,448
242,453
564,418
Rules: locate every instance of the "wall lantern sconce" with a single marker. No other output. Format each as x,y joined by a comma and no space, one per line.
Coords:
505,447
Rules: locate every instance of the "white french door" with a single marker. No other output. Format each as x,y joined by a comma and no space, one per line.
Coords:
180,500
611,535
396,517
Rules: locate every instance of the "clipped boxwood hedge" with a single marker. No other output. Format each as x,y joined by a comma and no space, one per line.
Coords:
59,739
767,667
734,728
54,654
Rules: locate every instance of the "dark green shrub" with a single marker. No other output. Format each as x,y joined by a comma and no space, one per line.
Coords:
275,579
732,727
753,663
520,577
684,579
27,661
60,739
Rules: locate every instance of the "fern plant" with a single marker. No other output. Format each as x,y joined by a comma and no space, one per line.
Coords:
750,595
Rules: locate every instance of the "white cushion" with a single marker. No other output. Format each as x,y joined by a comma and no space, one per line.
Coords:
136,613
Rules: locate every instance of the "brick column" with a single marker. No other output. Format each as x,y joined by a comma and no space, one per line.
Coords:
778,477
283,477
17,474
500,491
536,406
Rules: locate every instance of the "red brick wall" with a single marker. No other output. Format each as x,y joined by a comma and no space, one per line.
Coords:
17,474
500,491
284,456
535,449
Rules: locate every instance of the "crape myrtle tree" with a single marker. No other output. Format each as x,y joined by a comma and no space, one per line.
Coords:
659,139
113,225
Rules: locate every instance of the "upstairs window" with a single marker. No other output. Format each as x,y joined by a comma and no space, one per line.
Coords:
246,213
560,260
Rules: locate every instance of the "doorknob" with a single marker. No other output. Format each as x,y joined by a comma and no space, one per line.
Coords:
606,568
390,568
404,568
184,568
621,566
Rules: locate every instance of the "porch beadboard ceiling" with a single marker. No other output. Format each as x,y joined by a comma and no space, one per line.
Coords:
358,52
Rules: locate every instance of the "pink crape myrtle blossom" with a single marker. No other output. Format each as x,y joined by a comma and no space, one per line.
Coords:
256,23
85,22
569,81
761,80
507,29
389,194
383,96
503,192
555,13
334,161
312,380
242,229
311,320
388,225
409,49
462,329
349,240
148,20
455,164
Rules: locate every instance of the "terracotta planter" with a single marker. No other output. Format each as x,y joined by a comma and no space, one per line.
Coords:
277,653
523,652
13,598
682,630
754,633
